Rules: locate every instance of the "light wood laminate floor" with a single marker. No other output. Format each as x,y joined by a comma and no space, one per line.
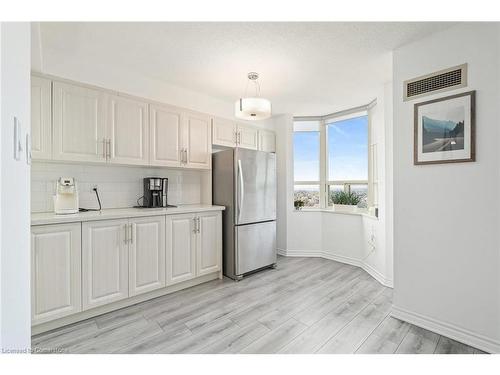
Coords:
306,305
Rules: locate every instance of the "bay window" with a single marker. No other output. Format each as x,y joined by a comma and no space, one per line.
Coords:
331,157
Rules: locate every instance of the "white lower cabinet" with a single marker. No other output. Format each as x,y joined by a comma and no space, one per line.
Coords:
194,245
104,262
55,271
181,248
80,266
209,243
146,254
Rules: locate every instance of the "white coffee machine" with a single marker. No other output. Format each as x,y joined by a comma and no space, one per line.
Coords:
66,198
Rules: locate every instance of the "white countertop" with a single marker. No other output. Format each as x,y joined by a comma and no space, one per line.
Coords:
118,213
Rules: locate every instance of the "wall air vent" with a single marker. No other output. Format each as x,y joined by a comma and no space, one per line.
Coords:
444,80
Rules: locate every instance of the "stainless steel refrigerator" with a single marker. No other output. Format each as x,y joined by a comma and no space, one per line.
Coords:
245,182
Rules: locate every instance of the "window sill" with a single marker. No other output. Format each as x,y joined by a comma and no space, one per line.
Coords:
359,212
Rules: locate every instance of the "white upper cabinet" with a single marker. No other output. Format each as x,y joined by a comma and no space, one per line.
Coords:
55,272
267,141
104,262
41,126
146,254
197,141
208,243
248,137
79,123
128,131
165,135
223,132
181,246
228,133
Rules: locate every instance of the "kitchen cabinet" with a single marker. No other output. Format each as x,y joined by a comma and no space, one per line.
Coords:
248,137
55,271
79,123
100,264
197,141
104,262
194,245
181,263
146,254
41,118
127,131
165,135
267,141
208,243
229,133
223,133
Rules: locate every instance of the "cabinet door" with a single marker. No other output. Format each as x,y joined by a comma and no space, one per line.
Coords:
55,271
79,119
209,243
165,136
146,254
223,133
41,127
248,137
197,141
180,248
128,131
267,141
104,262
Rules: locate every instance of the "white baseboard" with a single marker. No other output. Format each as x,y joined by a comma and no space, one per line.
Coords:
342,259
446,329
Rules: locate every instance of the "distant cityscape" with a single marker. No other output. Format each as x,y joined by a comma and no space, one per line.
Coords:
310,196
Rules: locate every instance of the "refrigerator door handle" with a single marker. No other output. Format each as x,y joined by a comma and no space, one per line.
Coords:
241,188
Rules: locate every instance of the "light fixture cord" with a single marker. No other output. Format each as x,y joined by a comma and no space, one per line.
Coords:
257,87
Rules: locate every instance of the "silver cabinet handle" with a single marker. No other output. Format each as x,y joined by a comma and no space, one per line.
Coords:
104,149
194,225
126,232
239,138
185,156
109,150
199,224
132,227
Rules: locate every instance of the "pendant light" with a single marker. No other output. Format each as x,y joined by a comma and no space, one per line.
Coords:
253,108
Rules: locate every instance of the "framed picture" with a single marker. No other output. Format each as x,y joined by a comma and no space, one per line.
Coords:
445,130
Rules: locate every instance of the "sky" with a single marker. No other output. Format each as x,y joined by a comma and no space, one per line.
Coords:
347,156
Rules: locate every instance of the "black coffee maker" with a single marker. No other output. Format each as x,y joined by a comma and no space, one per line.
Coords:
155,192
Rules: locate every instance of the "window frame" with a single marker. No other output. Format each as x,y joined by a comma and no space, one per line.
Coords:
324,183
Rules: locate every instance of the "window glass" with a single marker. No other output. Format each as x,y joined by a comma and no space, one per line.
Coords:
306,156
348,149
331,191
308,194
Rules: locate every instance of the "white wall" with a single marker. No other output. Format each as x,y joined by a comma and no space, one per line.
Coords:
15,211
118,186
341,237
446,216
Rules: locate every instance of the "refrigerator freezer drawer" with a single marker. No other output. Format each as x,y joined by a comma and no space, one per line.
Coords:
255,246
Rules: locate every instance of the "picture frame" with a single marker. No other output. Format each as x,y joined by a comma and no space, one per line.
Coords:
445,130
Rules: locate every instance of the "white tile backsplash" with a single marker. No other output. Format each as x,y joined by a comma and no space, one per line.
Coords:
118,186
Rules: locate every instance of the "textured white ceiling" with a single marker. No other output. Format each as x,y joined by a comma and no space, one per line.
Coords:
305,68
